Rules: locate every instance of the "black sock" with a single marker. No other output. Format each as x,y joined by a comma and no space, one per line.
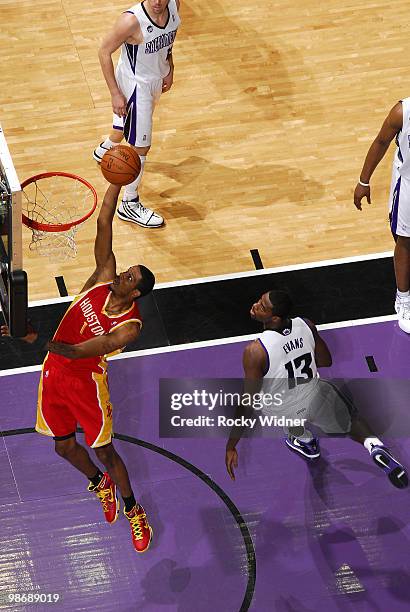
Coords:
97,478
129,502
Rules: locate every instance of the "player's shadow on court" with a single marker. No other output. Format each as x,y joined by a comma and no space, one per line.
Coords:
186,588
338,526
331,536
207,581
229,206
197,191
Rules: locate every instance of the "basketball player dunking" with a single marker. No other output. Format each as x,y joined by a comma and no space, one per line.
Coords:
292,349
145,33
73,388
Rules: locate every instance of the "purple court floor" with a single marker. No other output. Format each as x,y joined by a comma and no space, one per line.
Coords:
334,536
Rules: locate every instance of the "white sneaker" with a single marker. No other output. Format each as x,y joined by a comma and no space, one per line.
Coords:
98,153
402,308
134,211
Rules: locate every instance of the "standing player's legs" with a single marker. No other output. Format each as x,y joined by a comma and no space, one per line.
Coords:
334,413
115,138
138,133
400,228
137,130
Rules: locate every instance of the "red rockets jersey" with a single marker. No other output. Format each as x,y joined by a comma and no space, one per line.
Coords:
86,318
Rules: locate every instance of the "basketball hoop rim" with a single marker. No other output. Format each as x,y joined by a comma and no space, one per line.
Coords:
58,227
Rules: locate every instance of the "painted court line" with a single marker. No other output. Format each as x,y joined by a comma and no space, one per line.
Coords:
222,277
209,343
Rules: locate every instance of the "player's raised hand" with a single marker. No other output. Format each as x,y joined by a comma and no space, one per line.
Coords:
119,104
359,193
231,461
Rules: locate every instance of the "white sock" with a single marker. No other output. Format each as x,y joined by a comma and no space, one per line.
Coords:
403,295
107,144
131,190
370,442
306,436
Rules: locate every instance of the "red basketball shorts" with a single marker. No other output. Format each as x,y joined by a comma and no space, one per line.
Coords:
69,398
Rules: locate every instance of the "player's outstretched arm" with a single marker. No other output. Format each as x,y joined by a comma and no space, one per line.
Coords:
104,256
254,366
100,345
390,128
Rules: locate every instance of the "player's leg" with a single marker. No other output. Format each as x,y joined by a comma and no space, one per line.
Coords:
126,83
138,134
92,409
55,419
115,138
295,405
127,86
335,413
362,433
300,440
131,190
117,470
68,448
402,272
94,413
141,531
400,228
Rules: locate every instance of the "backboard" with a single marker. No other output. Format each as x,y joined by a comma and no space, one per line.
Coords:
13,279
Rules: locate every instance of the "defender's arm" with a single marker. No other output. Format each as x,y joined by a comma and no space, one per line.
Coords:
390,128
254,365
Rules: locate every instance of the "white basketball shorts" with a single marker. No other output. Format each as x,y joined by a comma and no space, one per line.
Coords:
399,204
141,99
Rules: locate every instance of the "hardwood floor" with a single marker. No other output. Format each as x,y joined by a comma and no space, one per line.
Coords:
258,145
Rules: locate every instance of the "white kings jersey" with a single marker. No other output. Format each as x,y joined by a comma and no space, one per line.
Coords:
402,156
290,355
149,61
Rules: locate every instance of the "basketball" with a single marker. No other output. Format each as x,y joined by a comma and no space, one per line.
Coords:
120,165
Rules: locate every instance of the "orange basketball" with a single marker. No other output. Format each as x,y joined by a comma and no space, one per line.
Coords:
121,165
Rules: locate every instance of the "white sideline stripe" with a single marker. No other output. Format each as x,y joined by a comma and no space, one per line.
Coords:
221,277
25,370
356,322
66,298
206,343
300,266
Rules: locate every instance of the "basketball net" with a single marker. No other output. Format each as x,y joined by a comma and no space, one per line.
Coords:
54,206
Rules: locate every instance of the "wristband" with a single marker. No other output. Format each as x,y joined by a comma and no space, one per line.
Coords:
364,184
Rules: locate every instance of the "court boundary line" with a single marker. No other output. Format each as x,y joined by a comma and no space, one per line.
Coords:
209,343
235,275
224,497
